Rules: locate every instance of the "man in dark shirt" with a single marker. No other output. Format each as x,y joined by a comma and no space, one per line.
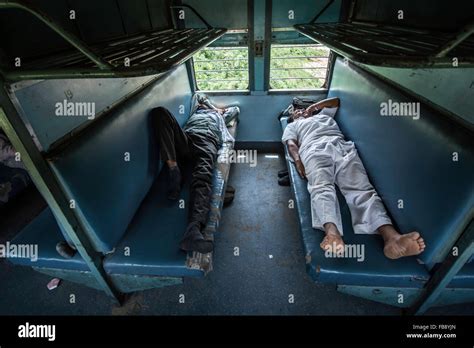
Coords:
198,142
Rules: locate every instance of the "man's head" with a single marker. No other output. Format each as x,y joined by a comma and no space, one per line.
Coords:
210,106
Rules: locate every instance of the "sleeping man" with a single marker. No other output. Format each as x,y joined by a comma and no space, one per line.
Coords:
198,143
321,155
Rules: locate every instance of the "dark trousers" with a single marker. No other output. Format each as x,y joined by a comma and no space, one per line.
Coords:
199,148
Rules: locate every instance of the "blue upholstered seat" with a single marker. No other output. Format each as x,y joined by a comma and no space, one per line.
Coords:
151,240
465,277
406,159
44,232
375,269
409,159
153,237
123,203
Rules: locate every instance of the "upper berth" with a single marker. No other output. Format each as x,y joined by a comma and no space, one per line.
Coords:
395,46
145,53
369,33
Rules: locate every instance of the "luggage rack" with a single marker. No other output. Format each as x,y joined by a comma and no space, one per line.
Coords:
143,54
391,46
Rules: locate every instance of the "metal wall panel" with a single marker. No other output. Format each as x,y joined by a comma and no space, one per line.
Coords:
442,14
304,12
135,16
229,14
452,89
258,114
159,13
98,20
38,101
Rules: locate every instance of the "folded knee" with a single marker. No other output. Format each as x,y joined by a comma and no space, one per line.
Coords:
160,113
322,186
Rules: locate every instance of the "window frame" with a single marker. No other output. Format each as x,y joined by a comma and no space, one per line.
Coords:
324,86
225,91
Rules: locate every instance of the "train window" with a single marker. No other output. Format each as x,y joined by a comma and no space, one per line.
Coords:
298,66
222,68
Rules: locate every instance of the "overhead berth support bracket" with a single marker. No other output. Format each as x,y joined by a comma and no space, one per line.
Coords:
149,53
391,46
462,35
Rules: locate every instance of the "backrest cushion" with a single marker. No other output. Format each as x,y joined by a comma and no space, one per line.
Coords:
109,170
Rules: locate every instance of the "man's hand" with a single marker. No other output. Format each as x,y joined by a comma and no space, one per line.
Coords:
300,113
300,168
293,149
326,103
312,109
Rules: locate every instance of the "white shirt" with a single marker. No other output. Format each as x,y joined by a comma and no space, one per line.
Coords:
313,131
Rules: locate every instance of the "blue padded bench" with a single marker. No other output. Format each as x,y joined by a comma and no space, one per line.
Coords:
123,203
375,270
406,159
465,277
158,226
45,232
409,159
106,189
152,236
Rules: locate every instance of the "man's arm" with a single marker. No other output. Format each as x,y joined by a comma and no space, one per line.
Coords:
293,149
326,103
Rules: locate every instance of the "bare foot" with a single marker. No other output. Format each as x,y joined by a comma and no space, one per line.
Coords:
333,243
404,245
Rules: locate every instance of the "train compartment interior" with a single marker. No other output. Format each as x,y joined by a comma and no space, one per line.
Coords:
81,81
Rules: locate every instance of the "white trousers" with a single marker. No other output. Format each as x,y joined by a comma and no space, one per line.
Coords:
337,163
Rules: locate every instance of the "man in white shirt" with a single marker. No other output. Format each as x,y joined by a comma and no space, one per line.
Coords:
320,154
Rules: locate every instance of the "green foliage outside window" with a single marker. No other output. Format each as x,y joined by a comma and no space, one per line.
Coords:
289,64
222,69
292,67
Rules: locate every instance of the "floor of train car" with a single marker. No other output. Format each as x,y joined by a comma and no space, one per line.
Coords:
257,282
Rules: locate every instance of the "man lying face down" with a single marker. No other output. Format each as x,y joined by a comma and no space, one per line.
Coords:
321,155
198,143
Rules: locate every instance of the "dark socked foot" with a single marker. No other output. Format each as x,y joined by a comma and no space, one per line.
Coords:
282,173
230,189
174,183
284,181
409,244
228,198
193,240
